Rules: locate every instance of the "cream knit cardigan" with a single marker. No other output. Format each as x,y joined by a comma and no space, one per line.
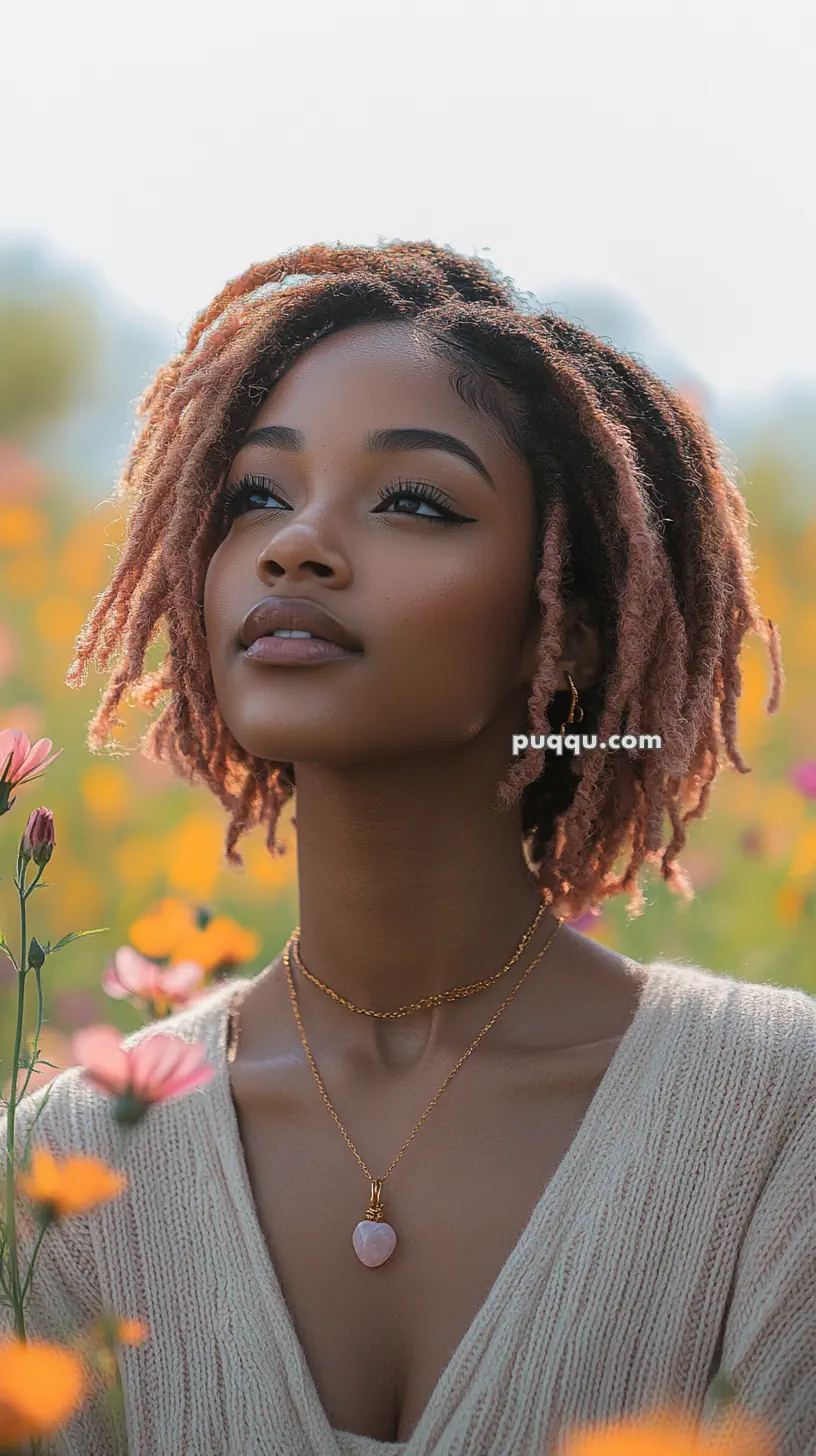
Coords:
677,1235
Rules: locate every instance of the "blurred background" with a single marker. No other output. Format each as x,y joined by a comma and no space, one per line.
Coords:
645,173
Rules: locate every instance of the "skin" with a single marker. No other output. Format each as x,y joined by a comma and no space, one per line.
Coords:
410,880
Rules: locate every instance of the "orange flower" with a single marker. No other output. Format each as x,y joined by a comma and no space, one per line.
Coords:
72,1186
789,902
222,943
41,1387
667,1434
157,934
100,1340
130,1332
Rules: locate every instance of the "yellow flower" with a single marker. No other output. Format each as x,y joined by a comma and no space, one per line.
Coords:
138,858
157,934
131,1332
41,1387
26,576
223,942
667,1434
58,618
83,559
106,791
72,1186
789,903
194,853
77,892
804,858
22,526
752,719
270,870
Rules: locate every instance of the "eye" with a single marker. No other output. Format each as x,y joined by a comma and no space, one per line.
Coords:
425,494
237,497
242,495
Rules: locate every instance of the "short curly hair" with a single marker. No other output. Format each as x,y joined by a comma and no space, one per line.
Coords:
635,512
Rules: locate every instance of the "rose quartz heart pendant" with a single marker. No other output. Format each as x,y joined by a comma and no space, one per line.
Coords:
374,1241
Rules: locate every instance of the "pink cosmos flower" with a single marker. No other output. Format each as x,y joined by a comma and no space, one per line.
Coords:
157,1068
162,987
803,777
20,760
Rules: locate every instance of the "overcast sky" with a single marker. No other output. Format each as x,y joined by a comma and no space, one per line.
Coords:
666,152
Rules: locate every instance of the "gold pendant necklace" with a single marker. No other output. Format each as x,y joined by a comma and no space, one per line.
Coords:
374,1239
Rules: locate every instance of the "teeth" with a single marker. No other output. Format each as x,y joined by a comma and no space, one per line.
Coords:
283,632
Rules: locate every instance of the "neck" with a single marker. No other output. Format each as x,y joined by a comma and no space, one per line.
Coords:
411,882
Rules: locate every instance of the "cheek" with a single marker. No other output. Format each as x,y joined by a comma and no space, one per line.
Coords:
458,635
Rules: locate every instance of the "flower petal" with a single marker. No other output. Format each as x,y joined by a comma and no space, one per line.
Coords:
162,1063
41,1386
98,1050
153,1061
140,975
198,1077
13,741
36,755
178,980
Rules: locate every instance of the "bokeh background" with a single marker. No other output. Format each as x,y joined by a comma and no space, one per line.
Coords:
646,175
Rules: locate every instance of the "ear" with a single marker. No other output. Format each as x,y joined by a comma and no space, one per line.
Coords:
581,654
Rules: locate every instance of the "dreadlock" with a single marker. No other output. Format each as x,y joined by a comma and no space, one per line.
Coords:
635,513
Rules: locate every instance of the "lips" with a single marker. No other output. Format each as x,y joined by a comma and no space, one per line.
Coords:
295,614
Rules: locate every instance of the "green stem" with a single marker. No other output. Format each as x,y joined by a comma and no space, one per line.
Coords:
31,1263
11,1222
36,1047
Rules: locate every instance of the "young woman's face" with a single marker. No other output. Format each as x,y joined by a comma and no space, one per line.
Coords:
445,614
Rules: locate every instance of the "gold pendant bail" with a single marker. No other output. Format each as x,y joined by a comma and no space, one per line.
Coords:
374,1211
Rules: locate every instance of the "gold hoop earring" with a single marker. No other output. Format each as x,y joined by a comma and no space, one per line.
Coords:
573,705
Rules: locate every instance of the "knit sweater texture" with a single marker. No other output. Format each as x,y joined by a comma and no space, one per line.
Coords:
677,1236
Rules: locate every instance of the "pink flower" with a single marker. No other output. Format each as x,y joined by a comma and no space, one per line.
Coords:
584,922
157,1068
162,988
803,777
38,837
19,761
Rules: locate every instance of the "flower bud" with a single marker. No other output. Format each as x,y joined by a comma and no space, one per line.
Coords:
36,955
38,839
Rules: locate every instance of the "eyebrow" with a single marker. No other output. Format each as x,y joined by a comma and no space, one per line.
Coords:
377,442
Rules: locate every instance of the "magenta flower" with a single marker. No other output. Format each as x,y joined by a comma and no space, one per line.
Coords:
803,777
38,837
157,1068
161,988
19,762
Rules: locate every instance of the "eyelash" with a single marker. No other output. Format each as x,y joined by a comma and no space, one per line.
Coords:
239,492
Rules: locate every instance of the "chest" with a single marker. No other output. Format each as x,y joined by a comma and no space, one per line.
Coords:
377,1341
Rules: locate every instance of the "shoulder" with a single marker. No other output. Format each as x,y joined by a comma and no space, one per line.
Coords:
779,1016
754,1041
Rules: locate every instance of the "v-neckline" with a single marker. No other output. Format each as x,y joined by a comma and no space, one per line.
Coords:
616,1083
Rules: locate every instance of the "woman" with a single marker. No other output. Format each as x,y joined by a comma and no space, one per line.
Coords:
496,526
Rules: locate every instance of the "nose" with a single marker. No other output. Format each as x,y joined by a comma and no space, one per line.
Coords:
299,551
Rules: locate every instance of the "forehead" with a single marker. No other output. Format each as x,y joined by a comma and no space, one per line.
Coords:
379,374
